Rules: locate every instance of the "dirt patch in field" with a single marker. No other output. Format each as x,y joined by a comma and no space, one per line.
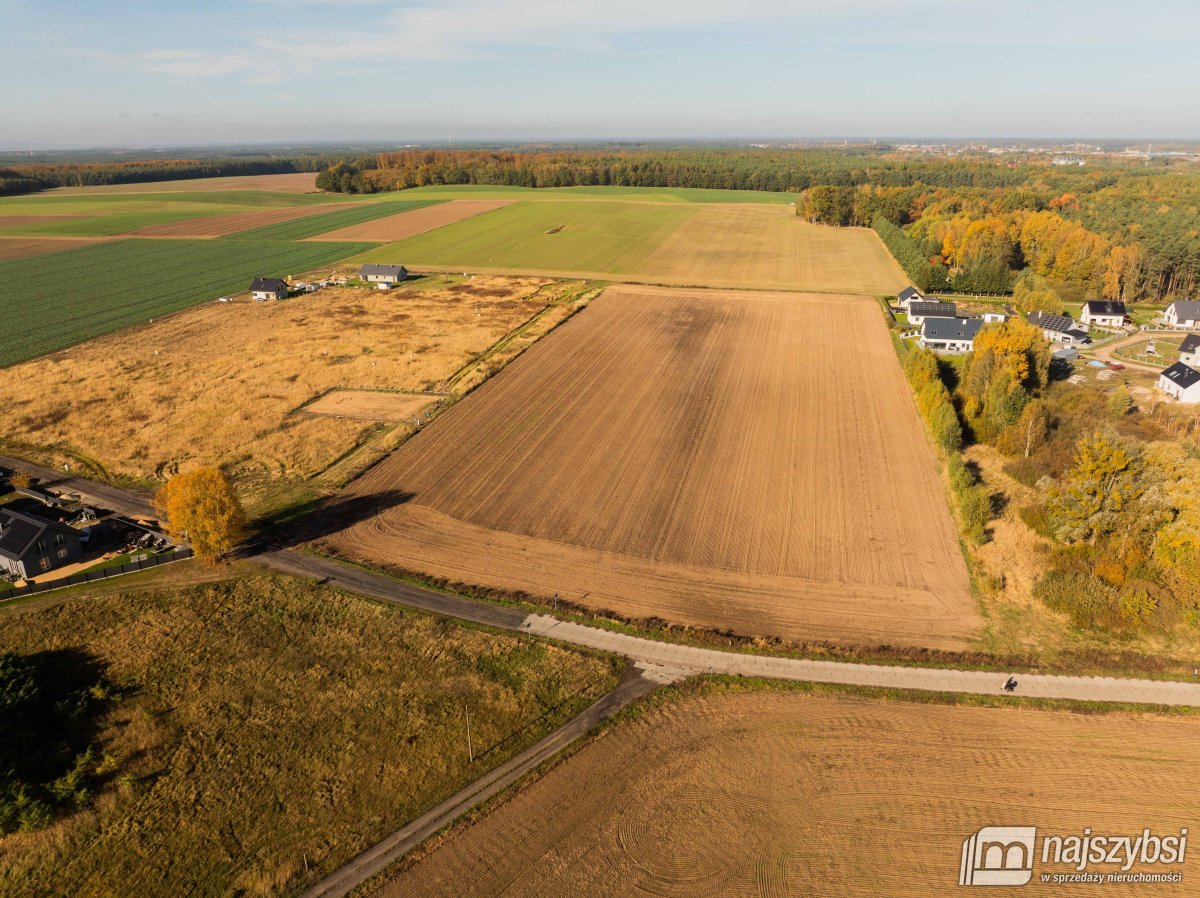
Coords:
24,247
216,384
418,221
709,458
371,405
774,794
223,225
770,247
294,182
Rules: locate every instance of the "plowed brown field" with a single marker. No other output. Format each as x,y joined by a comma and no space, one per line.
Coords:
24,247
408,224
782,794
23,221
297,182
718,459
235,223
768,246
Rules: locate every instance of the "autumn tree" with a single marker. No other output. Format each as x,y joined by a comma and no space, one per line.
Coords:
1099,491
200,507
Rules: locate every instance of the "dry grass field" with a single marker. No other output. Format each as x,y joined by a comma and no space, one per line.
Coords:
216,384
224,225
296,182
370,405
774,794
708,458
269,729
26,247
409,224
770,247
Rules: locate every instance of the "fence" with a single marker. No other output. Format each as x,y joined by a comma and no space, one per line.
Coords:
13,592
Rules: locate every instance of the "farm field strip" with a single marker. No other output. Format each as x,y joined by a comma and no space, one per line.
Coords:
114,284
605,237
237,222
370,405
315,225
598,193
408,224
290,182
25,247
769,793
753,485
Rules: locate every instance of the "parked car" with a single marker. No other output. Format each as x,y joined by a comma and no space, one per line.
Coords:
1116,366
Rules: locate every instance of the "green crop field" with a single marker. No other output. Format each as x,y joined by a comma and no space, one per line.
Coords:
316,225
564,236
622,194
97,289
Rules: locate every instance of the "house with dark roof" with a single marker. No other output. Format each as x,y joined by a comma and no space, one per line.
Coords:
1058,328
269,288
909,294
1182,314
1180,381
1104,313
31,545
1189,350
920,310
383,274
950,334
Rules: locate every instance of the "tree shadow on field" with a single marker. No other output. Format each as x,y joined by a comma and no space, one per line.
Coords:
322,518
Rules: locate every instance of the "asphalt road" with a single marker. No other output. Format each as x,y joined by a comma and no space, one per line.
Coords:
114,498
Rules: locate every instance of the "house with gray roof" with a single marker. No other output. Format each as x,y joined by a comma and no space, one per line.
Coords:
31,545
1103,312
1181,382
269,288
1182,314
953,335
907,295
1058,328
1189,350
383,274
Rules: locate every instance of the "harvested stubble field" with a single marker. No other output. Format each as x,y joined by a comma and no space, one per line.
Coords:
25,247
237,222
270,729
212,386
295,182
714,244
344,215
372,405
781,793
703,457
409,224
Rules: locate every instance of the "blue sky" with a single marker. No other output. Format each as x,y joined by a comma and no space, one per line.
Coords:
160,72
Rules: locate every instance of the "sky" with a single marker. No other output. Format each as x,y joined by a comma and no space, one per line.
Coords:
86,73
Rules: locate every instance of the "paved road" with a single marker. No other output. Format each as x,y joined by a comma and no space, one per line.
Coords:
695,660
637,681
118,499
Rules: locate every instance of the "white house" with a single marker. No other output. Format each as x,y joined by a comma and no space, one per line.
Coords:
269,288
907,295
1181,382
1104,313
1189,351
383,274
994,317
950,334
1182,314
1058,328
918,311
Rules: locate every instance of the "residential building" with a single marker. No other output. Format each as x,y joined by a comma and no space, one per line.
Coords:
383,274
31,545
269,288
909,294
950,334
1058,328
1182,314
1189,350
1182,382
1104,313
918,311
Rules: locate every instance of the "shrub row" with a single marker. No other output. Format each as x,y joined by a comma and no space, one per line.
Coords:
925,275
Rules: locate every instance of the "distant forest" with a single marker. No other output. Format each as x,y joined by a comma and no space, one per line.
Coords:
15,179
980,224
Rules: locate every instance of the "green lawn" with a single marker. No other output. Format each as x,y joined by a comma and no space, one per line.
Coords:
624,194
316,225
609,237
94,290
